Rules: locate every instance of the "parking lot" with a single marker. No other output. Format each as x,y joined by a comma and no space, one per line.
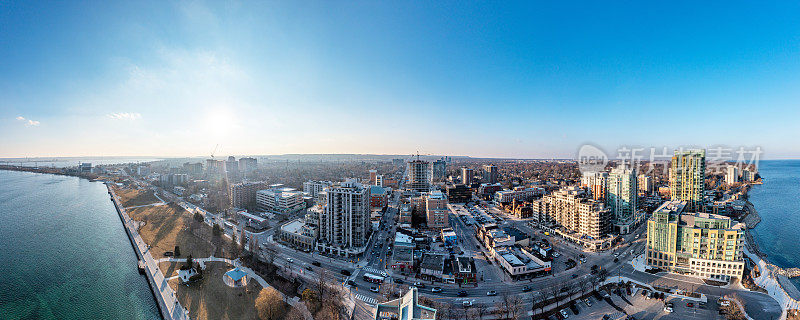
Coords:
640,307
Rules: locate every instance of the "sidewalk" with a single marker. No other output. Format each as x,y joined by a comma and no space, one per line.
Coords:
768,281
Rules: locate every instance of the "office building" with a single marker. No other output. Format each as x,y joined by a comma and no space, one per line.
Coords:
490,174
280,200
622,197
467,176
243,195
436,211
378,197
419,175
344,225
703,245
687,178
458,193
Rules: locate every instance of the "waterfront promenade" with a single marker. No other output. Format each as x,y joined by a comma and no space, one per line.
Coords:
168,303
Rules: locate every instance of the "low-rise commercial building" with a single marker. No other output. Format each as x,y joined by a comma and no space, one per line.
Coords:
520,263
299,235
458,193
280,200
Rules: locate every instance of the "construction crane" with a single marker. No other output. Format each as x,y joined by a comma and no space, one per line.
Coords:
214,151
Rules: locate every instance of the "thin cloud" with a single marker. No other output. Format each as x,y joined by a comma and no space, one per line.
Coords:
125,116
28,122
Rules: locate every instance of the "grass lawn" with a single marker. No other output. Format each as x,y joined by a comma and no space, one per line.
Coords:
211,298
170,225
135,197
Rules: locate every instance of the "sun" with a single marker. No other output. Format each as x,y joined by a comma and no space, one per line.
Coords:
219,122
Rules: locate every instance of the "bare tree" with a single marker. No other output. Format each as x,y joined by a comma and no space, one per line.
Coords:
537,299
500,310
269,253
513,306
481,310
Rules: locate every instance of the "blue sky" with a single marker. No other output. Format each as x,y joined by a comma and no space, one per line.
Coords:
493,79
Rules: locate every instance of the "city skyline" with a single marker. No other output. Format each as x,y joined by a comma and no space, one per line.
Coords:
520,80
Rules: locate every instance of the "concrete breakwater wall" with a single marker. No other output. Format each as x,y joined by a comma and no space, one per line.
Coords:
163,308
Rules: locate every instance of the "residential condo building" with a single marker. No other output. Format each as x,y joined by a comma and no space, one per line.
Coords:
703,245
622,197
344,225
687,178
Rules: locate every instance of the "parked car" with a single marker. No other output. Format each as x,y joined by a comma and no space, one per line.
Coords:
526,289
574,308
462,293
316,263
564,313
588,302
373,289
399,281
345,272
491,293
290,260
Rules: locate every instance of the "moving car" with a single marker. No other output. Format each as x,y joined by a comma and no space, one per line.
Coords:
373,289
690,304
467,303
290,260
462,293
526,289
491,293
436,289
564,313
345,272
316,263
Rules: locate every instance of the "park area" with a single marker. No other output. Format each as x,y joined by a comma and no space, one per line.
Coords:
211,298
131,197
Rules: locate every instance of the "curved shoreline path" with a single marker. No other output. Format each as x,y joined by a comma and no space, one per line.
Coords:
168,302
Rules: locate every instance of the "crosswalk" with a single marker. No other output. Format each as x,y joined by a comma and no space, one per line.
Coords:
372,270
366,299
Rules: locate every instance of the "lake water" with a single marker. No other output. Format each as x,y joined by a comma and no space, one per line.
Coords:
778,204
64,253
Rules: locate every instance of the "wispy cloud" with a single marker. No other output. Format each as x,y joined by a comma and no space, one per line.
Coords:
28,122
125,116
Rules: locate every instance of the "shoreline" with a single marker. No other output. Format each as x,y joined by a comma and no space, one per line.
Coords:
150,281
169,310
766,267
